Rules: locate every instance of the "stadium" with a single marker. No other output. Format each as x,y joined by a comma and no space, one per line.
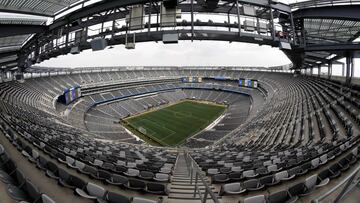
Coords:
179,133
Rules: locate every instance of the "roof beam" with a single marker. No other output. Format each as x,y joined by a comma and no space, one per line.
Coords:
6,54
8,62
345,12
20,29
24,11
333,47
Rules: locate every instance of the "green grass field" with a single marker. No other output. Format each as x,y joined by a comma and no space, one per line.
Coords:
171,125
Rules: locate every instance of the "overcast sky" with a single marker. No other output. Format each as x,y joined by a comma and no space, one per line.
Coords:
183,54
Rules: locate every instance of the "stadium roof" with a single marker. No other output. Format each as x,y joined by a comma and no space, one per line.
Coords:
36,7
323,22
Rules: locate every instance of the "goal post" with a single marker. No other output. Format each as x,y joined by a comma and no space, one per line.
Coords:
142,130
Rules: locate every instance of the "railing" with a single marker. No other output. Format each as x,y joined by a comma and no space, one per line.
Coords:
351,181
196,175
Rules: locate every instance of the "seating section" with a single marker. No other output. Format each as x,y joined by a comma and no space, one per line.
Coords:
17,186
302,131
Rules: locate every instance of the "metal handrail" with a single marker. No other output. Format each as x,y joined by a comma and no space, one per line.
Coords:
348,180
194,169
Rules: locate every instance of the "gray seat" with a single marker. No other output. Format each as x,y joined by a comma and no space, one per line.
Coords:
2,151
231,189
315,163
253,185
91,191
161,177
132,172
249,174
147,175
283,175
112,197
323,159
219,178
255,199
142,200
70,162
310,184
46,199
117,180
65,179
273,168
34,156
212,171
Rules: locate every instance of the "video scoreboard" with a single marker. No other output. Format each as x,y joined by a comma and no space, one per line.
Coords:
70,94
248,83
192,79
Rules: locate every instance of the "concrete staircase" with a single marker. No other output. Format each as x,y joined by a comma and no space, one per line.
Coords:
181,190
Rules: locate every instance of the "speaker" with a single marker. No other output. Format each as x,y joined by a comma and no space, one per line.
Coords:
170,38
75,50
98,44
170,3
285,45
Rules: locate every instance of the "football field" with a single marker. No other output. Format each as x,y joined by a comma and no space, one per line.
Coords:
171,125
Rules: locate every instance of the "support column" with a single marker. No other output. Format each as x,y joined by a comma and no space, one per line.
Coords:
349,67
343,70
272,21
149,18
319,70
293,28
192,20
311,70
329,69
238,16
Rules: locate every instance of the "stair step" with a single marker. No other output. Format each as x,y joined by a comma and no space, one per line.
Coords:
183,178
181,174
189,187
186,196
185,183
184,191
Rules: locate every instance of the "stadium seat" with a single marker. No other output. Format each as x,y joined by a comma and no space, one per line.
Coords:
91,191
52,170
132,172
255,199
249,174
281,197
45,199
323,178
335,171
220,178
117,180
14,189
268,180
252,185
112,197
142,200
156,188
136,184
146,175
231,189
161,177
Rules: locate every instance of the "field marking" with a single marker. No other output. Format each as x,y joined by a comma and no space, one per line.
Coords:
153,132
183,114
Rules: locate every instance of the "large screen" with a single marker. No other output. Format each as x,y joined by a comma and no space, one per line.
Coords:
192,79
71,94
248,83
